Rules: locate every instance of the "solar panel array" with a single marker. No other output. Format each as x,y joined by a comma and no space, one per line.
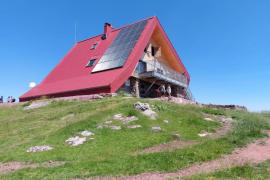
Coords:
117,53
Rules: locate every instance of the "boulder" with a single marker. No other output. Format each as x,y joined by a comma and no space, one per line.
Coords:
145,109
141,106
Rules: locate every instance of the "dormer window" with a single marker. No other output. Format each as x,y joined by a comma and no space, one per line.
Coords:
94,46
91,62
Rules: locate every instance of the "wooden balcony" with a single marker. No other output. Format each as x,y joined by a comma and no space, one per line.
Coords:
157,70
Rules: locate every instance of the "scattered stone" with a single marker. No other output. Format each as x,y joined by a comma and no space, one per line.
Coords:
108,122
129,119
166,121
141,106
36,104
204,134
156,129
76,141
115,127
208,119
146,110
86,133
226,119
99,127
118,116
39,148
134,126
124,119
150,113
176,136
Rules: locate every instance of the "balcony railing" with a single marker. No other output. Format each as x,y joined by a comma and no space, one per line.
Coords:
159,70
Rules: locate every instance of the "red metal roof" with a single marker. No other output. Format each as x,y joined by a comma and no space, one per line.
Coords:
72,77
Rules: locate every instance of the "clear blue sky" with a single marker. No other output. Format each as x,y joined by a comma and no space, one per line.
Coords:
224,44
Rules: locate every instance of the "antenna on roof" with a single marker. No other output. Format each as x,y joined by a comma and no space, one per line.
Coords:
75,33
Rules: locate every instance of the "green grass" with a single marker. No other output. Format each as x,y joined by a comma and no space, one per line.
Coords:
112,152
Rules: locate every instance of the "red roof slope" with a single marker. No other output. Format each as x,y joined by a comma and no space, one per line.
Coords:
72,77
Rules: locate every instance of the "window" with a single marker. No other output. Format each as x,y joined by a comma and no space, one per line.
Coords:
91,63
156,51
153,51
141,67
94,46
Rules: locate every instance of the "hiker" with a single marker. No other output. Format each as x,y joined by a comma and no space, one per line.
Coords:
1,99
162,89
169,90
11,99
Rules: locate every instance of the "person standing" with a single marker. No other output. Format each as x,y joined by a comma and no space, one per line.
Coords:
169,90
162,89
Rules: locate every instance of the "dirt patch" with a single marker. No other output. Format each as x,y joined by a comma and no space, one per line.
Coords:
170,146
254,153
226,125
14,166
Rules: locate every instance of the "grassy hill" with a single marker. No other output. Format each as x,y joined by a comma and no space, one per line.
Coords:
116,152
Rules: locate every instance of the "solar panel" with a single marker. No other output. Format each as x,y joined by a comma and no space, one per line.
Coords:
117,53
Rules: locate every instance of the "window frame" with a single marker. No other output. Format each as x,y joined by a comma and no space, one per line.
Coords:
91,62
94,46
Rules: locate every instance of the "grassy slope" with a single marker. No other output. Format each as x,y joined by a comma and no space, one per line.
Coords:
111,153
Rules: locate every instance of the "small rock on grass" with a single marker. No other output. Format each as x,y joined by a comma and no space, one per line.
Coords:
150,113
176,136
117,116
208,119
166,121
115,127
141,106
156,129
124,119
134,126
76,141
146,109
86,133
39,148
204,134
108,122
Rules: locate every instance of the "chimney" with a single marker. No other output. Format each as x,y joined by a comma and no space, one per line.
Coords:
107,29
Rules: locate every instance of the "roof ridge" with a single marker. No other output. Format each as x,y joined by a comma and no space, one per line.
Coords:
116,29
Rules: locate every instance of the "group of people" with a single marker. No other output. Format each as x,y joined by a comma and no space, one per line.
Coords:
10,99
165,90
